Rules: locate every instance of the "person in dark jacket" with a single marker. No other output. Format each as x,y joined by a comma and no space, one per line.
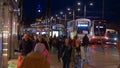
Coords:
26,45
66,54
60,45
85,42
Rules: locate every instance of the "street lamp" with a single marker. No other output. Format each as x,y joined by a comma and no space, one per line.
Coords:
61,12
78,9
73,10
78,3
85,8
91,4
68,9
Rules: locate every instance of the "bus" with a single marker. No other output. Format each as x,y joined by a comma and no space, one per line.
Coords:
112,36
98,32
83,26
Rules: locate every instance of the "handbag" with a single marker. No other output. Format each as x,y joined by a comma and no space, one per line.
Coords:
20,59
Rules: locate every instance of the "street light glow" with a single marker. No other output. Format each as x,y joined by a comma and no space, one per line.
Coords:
39,11
70,12
78,9
61,12
68,9
91,4
56,15
78,3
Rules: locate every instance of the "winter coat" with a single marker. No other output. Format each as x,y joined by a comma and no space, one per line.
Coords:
85,41
25,47
35,60
66,52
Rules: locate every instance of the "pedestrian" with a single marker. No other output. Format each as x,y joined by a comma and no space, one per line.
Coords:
25,47
44,41
73,50
35,60
60,45
85,43
54,44
40,47
66,54
78,60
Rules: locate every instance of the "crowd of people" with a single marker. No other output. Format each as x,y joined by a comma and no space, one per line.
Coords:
35,50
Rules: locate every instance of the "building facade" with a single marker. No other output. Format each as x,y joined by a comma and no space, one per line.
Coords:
9,13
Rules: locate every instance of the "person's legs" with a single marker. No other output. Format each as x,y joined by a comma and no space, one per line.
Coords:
80,63
68,64
64,63
58,55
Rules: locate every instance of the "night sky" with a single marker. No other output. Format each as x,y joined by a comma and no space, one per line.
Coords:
112,8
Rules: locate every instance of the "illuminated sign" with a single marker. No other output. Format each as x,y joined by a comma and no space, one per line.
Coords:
82,25
99,27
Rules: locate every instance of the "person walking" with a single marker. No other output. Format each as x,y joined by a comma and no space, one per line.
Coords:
66,54
40,47
25,47
60,46
78,60
35,60
85,42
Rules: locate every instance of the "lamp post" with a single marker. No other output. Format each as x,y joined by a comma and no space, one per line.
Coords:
85,9
102,9
73,10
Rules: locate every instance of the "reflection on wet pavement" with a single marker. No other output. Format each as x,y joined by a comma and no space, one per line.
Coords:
103,57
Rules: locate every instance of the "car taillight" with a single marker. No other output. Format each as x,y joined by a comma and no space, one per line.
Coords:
93,37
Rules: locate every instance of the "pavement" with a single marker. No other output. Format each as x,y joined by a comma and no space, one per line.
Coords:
98,56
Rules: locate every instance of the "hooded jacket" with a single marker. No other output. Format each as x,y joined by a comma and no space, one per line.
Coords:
35,60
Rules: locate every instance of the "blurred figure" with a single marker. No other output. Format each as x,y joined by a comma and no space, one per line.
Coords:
54,44
78,61
35,40
73,50
26,45
50,42
85,42
39,47
60,46
44,41
66,54
35,60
